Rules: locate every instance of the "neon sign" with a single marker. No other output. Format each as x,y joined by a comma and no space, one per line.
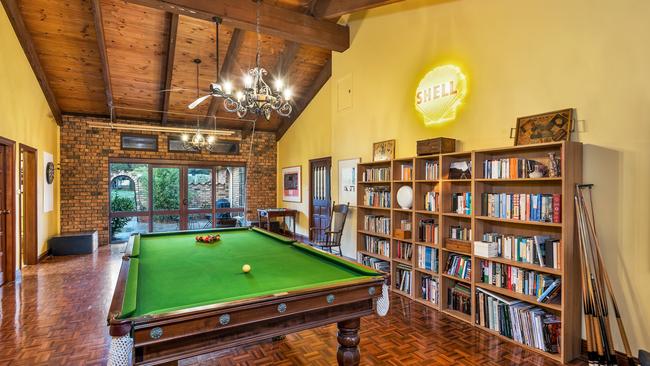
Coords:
439,94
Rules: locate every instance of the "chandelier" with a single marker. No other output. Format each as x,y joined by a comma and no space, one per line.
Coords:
256,96
199,141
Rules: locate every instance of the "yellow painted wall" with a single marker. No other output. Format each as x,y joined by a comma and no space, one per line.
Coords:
521,58
26,118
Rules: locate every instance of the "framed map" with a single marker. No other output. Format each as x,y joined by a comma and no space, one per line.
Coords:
545,127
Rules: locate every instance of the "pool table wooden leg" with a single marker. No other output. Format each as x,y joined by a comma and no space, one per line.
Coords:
348,337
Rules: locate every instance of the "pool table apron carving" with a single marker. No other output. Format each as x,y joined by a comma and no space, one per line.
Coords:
156,338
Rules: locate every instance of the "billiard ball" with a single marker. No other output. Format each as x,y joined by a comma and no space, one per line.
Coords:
246,268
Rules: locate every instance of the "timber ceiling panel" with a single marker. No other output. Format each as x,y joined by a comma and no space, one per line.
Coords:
136,38
64,37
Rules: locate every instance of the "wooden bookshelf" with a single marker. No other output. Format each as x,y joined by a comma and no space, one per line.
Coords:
421,182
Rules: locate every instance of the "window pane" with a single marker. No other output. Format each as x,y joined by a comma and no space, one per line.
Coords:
123,227
140,142
199,221
230,193
129,187
226,148
166,188
199,188
166,223
175,144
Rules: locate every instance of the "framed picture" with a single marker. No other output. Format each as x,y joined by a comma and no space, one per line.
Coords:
383,150
348,181
292,184
545,127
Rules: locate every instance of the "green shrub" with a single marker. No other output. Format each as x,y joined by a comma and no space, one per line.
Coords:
120,204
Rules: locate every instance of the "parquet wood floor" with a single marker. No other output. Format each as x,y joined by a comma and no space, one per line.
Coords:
56,315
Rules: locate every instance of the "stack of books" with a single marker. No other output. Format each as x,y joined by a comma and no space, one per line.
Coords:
376,175
546,288
527,207
377,224
459,266
428,231
373,262
460,233
512,168
403,280
486,249
461,203
518,320
407,172
404,250
431,170
429,289
428,258
459,298
377,245
377,196
431,201
539,249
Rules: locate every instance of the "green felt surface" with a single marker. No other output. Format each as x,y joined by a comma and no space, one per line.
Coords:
175,272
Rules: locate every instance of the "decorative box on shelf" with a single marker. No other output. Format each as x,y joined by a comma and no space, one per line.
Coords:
438,145
402,234
458,246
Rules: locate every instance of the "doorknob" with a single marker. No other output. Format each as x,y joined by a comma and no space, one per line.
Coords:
5,212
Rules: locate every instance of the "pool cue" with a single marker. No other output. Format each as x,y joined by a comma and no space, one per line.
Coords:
619,320
586,306
591,315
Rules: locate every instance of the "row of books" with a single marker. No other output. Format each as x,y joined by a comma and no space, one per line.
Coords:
460,233
459,298
406,225
376,197
377,245
545,288
432,201
431,170
407,172
428,231
428,258
521,206
375,175
373,262
511,168
539,249
518,320
461,203
403,280
459,266
404,250
376,223
429,289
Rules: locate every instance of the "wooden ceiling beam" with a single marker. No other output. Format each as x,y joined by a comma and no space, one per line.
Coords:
25,39
275,21
332,9
288,55
324,75
169,65
101,45
236,41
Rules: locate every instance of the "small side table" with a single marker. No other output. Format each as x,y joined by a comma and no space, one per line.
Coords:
264,215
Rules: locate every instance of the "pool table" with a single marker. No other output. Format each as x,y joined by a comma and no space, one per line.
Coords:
176,298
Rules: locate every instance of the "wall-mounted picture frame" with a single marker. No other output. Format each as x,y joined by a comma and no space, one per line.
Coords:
292,184
383,150
348,180
544,127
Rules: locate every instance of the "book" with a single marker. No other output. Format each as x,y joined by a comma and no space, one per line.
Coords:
429,289
376,174
525,207
459,266
459,298
377,196
428,258
428,231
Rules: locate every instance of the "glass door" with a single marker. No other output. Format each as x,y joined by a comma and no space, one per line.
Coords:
165,198
199,201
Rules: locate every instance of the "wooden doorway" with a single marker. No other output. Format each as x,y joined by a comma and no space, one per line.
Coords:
28,205
7,214
320,198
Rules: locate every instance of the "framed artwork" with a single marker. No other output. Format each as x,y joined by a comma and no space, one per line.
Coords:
292,184
348,181
383,150
545,127
48,187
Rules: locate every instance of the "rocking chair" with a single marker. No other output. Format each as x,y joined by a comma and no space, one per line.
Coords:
328,238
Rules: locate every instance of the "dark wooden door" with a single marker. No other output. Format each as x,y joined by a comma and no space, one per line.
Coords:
29,224
3,213
320,201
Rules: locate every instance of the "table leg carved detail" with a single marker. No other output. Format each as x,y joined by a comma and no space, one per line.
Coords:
348,337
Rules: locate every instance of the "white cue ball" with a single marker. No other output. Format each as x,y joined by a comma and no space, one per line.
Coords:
246,268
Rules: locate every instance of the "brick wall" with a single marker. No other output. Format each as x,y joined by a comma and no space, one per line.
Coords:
85,154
